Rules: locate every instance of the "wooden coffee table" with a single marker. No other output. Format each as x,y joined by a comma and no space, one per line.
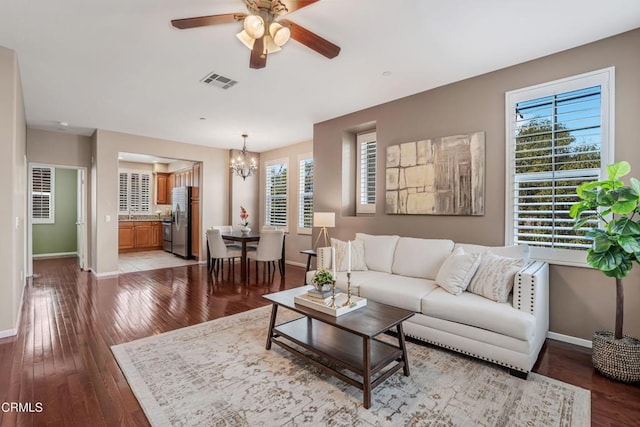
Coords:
334,339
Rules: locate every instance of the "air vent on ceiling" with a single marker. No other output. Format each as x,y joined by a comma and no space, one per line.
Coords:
214,79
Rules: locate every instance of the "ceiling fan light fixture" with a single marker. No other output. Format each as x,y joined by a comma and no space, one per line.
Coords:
254,26
269,45
279,33
246,40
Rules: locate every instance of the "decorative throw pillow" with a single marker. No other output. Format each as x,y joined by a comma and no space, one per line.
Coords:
357,255
457,270
494,278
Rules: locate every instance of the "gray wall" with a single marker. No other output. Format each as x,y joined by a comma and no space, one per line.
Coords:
582,300
13,175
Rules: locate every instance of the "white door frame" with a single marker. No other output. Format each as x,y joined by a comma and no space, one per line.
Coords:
82,212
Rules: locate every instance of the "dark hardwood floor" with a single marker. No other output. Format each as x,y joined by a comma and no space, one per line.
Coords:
62,359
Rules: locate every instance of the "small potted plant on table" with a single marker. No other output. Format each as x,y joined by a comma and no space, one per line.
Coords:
615,248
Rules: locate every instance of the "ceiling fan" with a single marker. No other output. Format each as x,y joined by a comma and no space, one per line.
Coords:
263,32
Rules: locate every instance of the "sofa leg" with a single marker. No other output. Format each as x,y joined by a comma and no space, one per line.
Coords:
519,374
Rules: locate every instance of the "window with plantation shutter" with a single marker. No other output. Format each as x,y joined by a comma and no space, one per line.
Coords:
134,193
276,193
42,195
559,137
366,172
305,199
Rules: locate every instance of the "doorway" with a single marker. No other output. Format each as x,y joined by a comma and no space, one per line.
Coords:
56,214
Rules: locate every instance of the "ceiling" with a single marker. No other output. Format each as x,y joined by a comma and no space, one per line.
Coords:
119,64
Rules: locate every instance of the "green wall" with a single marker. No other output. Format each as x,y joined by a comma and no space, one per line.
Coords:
60,236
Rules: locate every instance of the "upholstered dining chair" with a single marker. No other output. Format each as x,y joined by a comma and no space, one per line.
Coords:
219,252
227,229
268,251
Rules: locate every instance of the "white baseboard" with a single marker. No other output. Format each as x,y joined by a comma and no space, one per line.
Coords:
297,264
8,333
107,274
56,255
569,339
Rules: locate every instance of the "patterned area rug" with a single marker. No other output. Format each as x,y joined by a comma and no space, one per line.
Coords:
218,373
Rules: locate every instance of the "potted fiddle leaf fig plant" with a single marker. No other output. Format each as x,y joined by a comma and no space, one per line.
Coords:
615,248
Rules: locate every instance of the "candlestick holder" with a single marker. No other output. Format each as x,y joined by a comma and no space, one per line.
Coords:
333,295
348,301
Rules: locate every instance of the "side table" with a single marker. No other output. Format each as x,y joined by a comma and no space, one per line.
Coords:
310,253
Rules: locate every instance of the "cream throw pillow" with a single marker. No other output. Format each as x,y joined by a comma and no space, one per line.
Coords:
357,255
495,275
457,270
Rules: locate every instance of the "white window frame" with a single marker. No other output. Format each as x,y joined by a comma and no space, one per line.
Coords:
302,159
267,195
51,219
149,201
362,139
603,78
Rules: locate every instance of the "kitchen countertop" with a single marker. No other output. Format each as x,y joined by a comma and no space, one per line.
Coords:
168,218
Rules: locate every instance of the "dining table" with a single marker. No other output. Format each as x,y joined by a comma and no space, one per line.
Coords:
244,237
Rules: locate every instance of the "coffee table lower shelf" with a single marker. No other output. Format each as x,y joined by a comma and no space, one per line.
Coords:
363,357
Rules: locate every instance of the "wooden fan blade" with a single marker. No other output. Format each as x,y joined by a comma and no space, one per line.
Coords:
312,40
293,5
258,57
203,21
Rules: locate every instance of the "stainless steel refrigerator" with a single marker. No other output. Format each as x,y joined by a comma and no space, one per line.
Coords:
181,225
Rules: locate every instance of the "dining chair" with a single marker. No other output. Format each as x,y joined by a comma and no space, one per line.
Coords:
268,251
219,252
227,229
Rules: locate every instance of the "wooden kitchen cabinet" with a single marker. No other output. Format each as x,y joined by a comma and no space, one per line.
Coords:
163,192
125,235
139,235
156,234
195,222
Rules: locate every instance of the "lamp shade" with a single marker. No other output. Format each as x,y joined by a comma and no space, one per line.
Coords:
279,33
324,219
254,26
245,39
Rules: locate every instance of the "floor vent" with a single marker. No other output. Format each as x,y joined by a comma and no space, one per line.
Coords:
214,79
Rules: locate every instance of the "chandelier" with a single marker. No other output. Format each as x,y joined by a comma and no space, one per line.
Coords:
242,166
261,27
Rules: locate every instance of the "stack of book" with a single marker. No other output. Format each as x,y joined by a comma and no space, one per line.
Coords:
319,296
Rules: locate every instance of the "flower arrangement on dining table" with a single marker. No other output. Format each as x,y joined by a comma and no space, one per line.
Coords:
244,218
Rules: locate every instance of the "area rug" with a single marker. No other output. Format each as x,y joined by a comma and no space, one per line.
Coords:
218,373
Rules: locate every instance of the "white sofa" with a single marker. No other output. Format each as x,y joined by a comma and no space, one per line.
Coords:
401,271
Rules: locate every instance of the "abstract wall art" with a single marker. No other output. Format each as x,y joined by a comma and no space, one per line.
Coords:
439,176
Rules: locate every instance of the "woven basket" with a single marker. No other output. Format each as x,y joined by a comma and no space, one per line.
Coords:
616,359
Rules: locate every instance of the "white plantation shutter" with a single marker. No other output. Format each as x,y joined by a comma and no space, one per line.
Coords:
276,194
559,139
134,194
123,192
42,194
366,172
305,199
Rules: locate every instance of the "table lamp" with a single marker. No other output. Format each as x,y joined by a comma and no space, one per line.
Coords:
324,220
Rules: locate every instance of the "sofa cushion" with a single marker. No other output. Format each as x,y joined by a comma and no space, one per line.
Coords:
514,251
474,310
357,255
358,278
398,291
495,275
378,251
457,270
420,258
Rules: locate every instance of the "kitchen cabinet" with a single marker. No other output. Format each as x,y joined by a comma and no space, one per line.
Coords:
195,222
163,192
125,235
139,235
171,180
156,234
